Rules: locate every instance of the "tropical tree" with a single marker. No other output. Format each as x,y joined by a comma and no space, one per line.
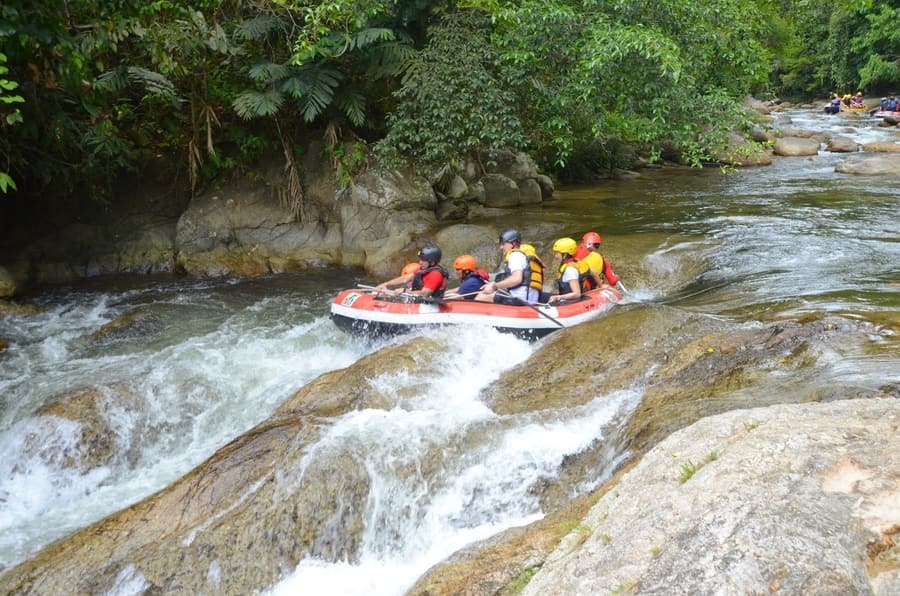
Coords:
592,77
839,46
452,103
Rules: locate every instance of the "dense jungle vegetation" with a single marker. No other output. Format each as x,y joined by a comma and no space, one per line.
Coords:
91,90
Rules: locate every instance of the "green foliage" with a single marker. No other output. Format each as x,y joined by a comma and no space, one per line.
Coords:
518,583
592,78
840,47
452,102
11,115
329,74
348,160
688,469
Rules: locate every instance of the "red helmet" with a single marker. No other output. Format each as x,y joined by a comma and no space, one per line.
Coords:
410,268
591,238
465,262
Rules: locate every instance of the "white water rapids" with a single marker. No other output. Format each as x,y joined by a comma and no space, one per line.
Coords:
219,357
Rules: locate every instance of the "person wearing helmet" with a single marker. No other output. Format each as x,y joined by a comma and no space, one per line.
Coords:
574,276
429,280
471,278
404,279
589,252
521,279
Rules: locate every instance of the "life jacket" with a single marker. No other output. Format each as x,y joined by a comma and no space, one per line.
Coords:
418,281
532,275
585,280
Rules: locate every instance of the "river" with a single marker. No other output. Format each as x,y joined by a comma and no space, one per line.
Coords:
212,358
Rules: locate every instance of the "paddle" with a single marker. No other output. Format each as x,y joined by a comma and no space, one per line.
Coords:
453,297
503,292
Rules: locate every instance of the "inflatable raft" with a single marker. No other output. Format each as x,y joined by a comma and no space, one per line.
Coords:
363,312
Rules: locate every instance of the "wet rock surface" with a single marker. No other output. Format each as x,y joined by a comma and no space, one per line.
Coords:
698,369
243,518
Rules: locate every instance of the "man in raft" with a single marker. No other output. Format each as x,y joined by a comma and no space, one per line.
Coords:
521,279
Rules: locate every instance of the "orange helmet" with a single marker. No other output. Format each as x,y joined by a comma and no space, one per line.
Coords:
410,268
465,262
591,238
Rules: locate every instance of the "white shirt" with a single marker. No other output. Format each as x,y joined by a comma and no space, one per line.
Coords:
517,261
569,273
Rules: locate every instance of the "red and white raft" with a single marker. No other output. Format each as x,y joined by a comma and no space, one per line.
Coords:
362,312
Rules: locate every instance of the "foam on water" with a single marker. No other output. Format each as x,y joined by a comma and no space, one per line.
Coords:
489,465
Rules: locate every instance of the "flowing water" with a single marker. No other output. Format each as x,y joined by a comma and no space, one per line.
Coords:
208,360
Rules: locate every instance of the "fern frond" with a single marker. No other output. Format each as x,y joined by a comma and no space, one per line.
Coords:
258,27
369,36
269,72
112,80
389,59
152,81
313,87
312,104
251,104
353,104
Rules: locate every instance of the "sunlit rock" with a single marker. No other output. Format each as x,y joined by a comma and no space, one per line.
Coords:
476,240
789,498
870,164
796,146
881,147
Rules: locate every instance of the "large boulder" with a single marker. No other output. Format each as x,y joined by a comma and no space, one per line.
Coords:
794,499
842,144
796,146
740,151
869,165
243,229
512,179
881,147
381,212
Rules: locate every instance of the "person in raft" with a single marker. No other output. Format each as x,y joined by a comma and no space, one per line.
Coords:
521,279
471,278
589,252
403,280
429,281
575,276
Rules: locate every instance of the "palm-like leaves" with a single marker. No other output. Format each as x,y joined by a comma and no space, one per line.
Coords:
252,103
151,81
319,83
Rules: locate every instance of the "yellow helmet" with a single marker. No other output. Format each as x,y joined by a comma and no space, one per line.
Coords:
528,249
565,246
